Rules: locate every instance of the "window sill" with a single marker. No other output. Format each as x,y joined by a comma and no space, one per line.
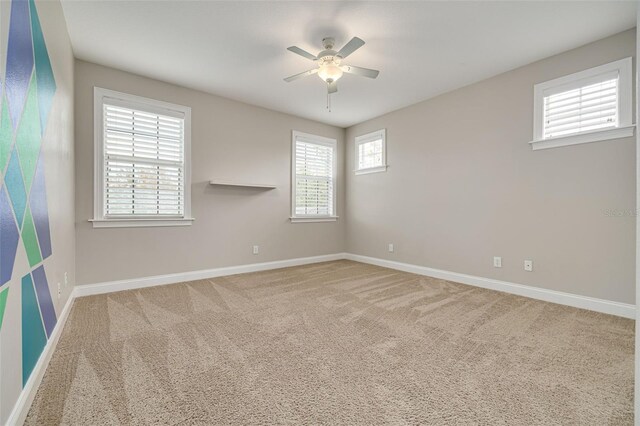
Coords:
587,137
140,223
371,170
313,219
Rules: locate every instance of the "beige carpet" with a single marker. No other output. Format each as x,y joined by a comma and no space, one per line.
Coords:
335,343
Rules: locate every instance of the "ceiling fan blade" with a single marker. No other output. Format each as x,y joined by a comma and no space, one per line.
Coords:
296,49
332,87
364,72
302,74
353,45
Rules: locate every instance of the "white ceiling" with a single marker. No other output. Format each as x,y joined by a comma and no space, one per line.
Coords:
237,49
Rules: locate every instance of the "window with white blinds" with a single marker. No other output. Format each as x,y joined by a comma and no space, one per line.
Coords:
314,160
591,106
584,107
143,159
371,152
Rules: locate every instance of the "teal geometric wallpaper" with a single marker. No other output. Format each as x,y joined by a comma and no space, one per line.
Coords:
44,73
27,95
15,185
33,337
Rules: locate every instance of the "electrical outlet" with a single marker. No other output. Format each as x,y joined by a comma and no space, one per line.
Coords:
391,248
528,265
256,249
59,290
497,262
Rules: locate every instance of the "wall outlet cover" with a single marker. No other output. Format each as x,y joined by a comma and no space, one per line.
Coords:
528,265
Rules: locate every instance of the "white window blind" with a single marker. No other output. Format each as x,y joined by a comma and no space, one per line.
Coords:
314,177
144,162
592,106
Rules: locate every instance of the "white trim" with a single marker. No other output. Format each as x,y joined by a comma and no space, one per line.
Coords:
622,67
320,140
25,399
308,219
140,222
568,299
370,137
377,169
130,284
161,107
586,137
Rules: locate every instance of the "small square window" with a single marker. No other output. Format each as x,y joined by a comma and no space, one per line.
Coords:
371,152
588,106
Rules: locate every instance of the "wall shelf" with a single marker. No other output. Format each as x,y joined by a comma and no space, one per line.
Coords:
241,184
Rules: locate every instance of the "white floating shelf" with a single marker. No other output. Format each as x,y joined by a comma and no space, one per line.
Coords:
241,184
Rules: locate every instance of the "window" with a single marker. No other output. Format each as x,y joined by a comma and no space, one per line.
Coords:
587,106
142,148
313,173
371,152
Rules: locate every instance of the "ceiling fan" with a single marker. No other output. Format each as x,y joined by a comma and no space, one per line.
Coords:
330,67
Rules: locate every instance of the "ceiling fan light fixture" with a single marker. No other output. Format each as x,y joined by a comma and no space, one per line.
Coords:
329,65
329,72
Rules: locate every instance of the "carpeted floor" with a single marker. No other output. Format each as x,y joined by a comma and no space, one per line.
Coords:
335,343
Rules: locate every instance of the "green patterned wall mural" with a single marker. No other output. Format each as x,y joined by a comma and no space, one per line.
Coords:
27,96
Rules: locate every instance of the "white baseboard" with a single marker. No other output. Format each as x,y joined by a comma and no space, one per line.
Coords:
569,299
577,301
23,404
112,286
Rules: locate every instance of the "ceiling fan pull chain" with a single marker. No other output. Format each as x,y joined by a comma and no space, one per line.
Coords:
329,101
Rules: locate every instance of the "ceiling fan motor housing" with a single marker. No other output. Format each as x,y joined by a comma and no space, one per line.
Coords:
327,55
328,43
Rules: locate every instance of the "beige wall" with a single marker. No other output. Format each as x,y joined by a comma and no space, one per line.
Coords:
57,154
463,185
230,141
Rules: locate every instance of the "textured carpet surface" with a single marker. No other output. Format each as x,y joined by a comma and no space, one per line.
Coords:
335,343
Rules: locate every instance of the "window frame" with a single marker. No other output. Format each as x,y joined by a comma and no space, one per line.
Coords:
371,137
320,140
625,127
144,104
